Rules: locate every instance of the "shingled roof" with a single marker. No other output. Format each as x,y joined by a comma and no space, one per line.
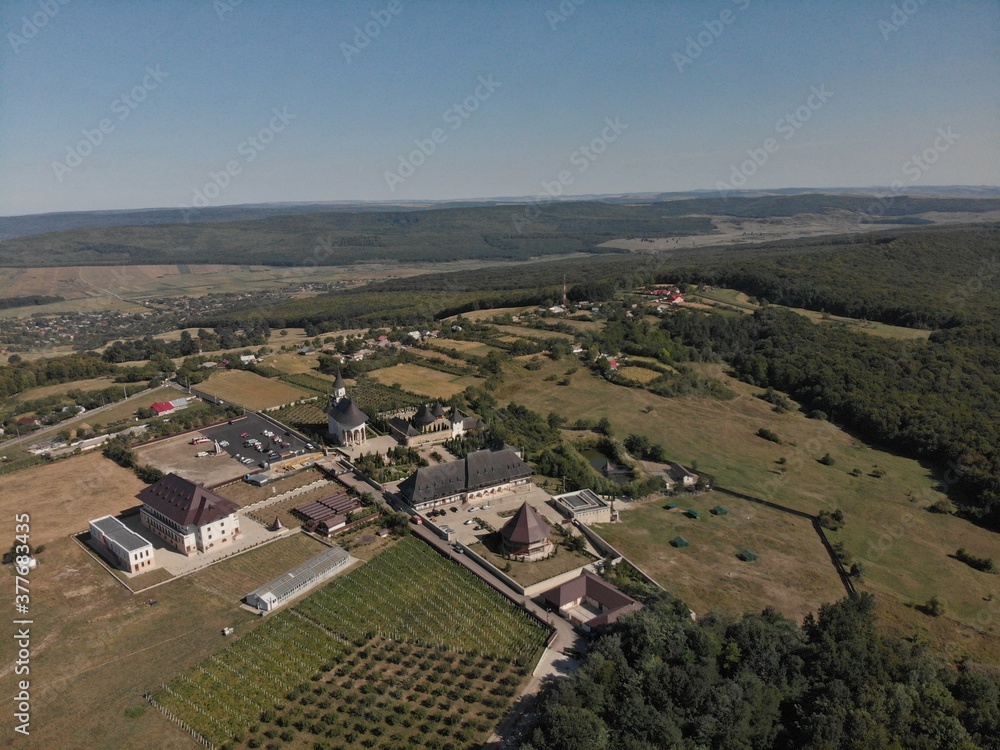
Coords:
526,527
484,468
347,414
186,503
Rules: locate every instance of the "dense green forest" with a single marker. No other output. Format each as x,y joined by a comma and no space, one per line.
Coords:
936,399
658,679
923,279
505,231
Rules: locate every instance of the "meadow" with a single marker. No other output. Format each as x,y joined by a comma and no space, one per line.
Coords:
906,550
424,381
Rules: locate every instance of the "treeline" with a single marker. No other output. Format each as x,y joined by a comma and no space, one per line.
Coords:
251,333
659,679
27,301
937,399
930,279
20,376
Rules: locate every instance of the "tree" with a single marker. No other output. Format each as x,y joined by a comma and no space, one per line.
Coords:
827,460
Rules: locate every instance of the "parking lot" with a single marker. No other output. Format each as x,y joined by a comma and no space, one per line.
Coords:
233,436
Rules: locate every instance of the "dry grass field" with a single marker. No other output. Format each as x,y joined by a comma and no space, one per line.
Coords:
638,374
475,348
251,390
59,389
904,547
424,381
63,495
794,573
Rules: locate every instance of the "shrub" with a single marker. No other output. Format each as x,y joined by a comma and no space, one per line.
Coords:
827,460
769,435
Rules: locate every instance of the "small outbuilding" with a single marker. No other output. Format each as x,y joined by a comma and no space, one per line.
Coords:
748,556
680,542
692,513
720,510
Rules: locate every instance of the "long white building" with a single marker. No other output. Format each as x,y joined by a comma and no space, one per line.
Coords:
122,546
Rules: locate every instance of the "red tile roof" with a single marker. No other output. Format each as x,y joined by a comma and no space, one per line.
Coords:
162,407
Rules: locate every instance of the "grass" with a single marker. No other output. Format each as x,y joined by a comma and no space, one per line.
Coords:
295,364
905,548
242,574
475,348
529,573
60,389
639,374
244,494
794,573
424,381
250,390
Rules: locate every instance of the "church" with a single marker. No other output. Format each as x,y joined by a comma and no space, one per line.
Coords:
346,422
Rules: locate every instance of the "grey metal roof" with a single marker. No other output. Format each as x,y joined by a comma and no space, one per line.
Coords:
484,468
118,532
347,414
301,575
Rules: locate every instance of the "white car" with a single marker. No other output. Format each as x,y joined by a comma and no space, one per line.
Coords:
468,522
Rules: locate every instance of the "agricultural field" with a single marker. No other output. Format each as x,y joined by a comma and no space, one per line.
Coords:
347,656
424,381
888,528
251,390
294,364
794,573
308,417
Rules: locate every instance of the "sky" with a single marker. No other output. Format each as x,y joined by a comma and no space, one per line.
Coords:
118,104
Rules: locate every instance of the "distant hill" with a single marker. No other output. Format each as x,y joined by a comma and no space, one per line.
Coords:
294,234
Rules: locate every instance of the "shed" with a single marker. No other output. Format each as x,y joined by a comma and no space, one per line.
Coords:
680,542
670,506
692,513
748,556
720,510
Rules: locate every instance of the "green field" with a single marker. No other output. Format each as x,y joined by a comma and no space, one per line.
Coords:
904,547
407,609
794,573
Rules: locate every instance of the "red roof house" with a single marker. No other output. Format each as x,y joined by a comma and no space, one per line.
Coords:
162,407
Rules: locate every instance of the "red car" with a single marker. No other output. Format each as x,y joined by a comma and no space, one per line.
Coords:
244,434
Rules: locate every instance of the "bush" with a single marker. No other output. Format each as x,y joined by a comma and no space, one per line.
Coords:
827,460
934,607
768,435
984,564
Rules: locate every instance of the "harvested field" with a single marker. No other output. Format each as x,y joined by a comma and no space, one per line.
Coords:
251,390
426,382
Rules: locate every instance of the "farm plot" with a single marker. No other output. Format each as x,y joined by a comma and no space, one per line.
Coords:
309,418
251,390
422,380
639,374
457,653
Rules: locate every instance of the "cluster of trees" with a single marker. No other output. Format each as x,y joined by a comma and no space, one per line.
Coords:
938,399
659,679
22,375
118,450
254,333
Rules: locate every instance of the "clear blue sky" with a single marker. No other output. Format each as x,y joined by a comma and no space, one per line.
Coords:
221,69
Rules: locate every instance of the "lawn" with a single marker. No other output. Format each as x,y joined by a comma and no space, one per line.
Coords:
424,381
475,348
904,547
530,573
251,390
794,573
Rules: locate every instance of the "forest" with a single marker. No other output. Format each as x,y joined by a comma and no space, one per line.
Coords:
659,679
